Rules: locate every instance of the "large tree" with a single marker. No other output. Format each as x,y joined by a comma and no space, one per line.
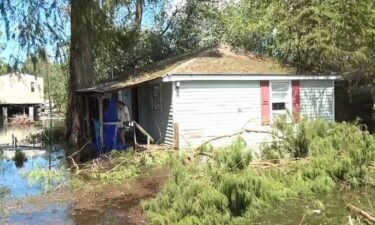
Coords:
81,61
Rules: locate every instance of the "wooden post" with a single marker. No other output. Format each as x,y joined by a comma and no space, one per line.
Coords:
5,115
13,143
87,117
101,120
31,112
176,135
135,137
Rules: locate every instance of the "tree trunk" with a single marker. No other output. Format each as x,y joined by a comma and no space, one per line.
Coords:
138,15
81,63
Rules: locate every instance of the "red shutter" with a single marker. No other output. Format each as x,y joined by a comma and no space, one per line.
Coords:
296,100
265,101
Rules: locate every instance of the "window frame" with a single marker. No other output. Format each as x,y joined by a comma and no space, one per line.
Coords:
289,102
32,84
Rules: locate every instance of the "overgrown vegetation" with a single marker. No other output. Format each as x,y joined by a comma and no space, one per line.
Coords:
307,159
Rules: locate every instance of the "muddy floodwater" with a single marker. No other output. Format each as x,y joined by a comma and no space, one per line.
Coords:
321,210
120,203
14,186
24,202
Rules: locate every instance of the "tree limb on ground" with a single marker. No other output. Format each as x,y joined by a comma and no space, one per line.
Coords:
75,153
368,218
236,134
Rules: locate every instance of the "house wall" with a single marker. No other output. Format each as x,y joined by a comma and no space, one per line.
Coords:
159,124
16,89
207,109
317,99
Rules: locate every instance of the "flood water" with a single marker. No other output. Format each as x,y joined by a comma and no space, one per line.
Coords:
15,187
12,178
328,210
19,131
14,184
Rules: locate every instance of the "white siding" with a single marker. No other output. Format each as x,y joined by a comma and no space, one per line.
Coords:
207,109
15,88
317,99
158,124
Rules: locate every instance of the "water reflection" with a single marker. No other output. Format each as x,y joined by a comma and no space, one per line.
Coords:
11,176
53,214
19,131
22,131
13,165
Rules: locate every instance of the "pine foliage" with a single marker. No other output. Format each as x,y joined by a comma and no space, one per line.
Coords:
232,189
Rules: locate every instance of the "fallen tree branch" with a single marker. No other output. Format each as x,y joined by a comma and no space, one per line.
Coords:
117,166
74,163
368,218
266,164
83,147
303,218
236,134
75,153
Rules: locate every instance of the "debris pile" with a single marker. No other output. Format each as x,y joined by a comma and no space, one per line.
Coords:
21,119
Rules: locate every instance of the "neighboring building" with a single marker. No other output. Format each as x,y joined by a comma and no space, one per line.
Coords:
187,100
20,94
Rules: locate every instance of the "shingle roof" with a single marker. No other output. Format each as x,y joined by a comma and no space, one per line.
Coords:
220,59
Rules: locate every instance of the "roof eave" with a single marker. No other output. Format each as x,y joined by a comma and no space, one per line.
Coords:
249,77
112,87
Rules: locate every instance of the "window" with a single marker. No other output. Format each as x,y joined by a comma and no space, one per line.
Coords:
280,100
156,97
32,87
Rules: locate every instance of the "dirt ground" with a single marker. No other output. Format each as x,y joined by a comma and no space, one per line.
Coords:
124,198
97,204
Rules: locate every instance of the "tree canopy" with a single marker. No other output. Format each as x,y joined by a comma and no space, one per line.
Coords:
320,36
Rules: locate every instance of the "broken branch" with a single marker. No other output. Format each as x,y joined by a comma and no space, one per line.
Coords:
368,218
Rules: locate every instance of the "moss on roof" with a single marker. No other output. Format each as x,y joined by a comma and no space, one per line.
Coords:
220,59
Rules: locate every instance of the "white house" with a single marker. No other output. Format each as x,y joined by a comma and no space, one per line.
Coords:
187,100
20,93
